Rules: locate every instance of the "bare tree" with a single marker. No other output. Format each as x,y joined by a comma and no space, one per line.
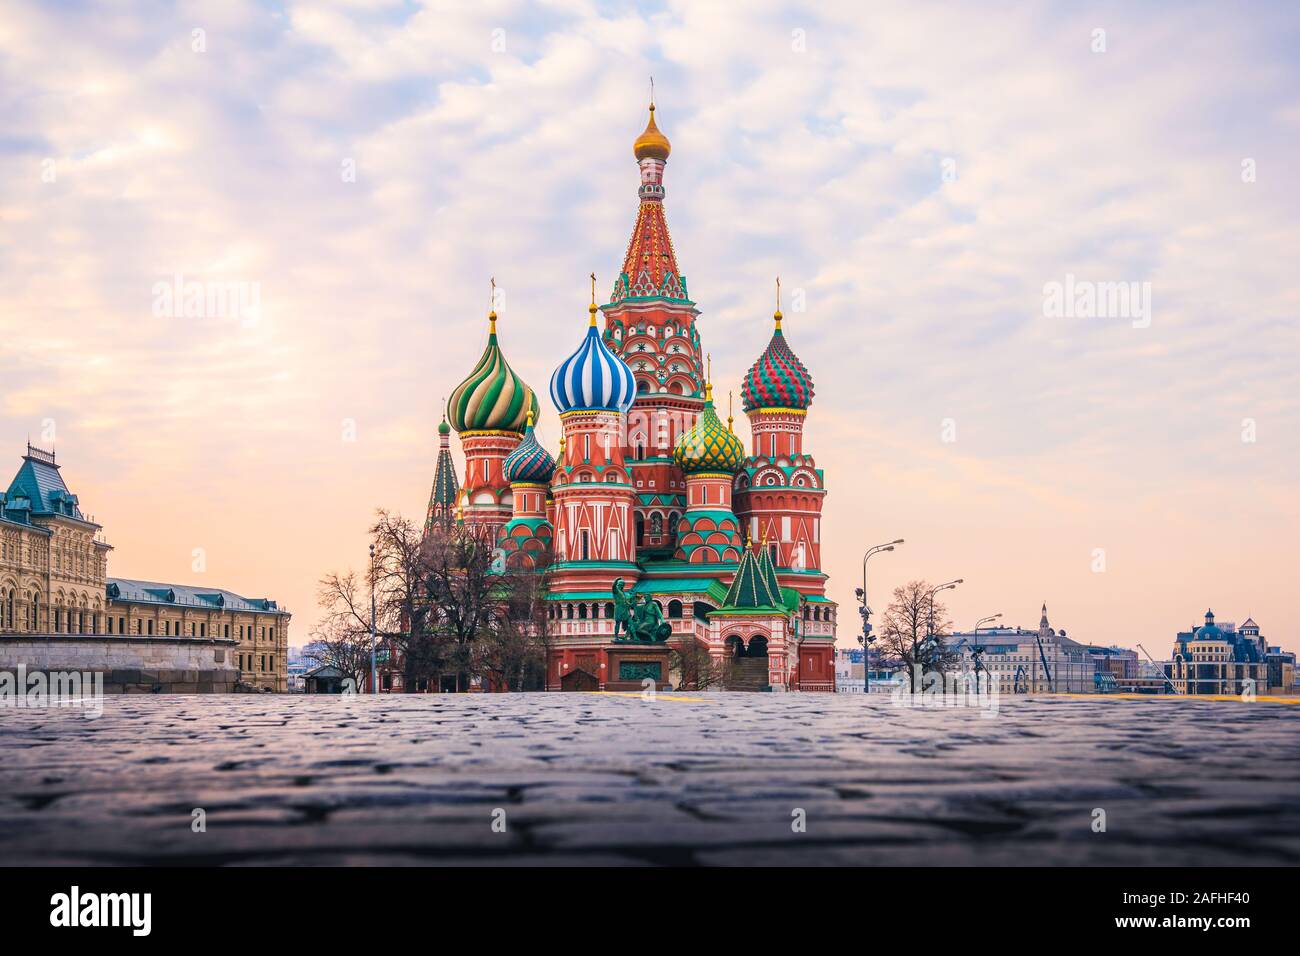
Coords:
406,618
342,638
914,632
513,652
445,604
695,667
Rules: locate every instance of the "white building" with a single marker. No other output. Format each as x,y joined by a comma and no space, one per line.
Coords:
848,675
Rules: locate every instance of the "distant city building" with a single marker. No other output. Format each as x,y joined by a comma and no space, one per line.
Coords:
54,580
1220,659
296,671
1020,661
849,669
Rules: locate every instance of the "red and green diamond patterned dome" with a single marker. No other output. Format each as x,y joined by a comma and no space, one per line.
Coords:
778,379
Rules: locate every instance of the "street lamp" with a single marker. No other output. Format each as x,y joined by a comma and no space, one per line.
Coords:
866,640
977,649
374,674
929,635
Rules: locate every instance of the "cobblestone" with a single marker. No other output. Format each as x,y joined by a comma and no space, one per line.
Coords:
611,779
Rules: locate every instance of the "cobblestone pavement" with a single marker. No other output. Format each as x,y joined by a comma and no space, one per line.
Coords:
609,779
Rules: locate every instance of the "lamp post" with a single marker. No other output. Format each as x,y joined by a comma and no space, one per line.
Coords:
374,674
929,633
977,648
866,640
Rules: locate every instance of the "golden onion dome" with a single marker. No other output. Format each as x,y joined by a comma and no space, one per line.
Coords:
652,144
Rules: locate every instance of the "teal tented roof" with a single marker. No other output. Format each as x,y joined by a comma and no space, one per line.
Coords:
39,481
181,595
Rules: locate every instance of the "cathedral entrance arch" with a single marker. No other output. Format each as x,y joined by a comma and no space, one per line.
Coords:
579,680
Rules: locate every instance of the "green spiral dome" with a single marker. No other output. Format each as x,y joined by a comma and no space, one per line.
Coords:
493,397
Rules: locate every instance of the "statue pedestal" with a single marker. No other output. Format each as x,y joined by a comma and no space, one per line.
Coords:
629,665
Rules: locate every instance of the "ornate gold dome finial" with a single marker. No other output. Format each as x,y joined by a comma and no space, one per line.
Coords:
492,308
591,309
652,144
530,418
777,314
731,421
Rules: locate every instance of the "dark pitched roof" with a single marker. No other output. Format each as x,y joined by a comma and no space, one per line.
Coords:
153,592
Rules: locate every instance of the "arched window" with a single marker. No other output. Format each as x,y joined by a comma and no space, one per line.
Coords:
674,609
656,524
582,612
640,529
609,610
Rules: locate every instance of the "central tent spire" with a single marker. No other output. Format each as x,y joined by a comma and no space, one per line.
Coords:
650,265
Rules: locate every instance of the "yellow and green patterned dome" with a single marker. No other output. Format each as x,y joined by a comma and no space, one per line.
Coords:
493,397
710,445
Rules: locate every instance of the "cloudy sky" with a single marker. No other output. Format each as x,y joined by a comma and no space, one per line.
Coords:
918,175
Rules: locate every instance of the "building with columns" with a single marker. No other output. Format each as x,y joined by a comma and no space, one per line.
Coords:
648,484
54,580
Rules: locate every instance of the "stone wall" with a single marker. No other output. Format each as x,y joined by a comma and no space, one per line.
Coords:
130,665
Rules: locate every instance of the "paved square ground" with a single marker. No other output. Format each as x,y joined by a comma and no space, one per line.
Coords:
682,779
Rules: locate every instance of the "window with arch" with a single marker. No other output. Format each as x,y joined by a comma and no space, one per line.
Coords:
656,524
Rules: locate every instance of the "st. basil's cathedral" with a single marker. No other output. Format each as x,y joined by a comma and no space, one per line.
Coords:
649,484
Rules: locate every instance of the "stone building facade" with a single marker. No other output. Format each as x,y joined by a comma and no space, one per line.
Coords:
54,580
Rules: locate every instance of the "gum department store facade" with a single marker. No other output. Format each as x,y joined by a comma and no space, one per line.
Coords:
649,484
54,580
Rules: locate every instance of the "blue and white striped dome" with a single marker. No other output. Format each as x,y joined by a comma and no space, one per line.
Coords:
593,378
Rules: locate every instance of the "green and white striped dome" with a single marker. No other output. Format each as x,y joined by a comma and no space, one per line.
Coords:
493,397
